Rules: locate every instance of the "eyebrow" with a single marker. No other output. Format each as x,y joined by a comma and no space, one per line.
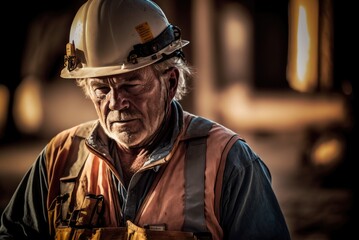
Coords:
134,76
128,77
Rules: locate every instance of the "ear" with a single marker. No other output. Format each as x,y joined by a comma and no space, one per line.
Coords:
172,81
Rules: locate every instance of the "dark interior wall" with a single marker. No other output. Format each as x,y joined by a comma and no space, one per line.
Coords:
345,71
271,44
15,33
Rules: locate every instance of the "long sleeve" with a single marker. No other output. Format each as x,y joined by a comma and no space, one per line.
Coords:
25,216
249,207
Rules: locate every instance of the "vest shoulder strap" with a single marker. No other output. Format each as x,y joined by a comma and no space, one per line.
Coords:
198,128
196,136
195,164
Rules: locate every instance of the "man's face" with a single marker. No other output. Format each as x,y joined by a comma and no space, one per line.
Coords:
130,106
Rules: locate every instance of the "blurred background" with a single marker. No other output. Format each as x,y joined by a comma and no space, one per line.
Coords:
280,73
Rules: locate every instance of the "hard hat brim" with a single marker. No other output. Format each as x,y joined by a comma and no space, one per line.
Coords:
91,72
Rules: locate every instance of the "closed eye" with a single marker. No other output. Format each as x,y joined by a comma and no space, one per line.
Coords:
101,92
133,88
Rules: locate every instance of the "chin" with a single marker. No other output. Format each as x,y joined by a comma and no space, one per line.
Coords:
130,141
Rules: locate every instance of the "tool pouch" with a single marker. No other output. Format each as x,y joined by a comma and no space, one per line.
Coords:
131,232
135,233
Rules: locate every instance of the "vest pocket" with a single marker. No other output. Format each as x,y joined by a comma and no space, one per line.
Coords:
89,215
58,211
55,211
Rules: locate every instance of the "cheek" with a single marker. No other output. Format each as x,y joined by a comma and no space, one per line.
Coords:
100,107
155,110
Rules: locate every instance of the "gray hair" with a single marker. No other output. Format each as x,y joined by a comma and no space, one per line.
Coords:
185,73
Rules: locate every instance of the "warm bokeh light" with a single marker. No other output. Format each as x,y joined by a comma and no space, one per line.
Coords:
242,109
303,45
328,151
302,69
28,107
203,51
236,32
4,102
236,104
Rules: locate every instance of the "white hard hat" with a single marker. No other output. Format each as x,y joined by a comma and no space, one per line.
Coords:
109,37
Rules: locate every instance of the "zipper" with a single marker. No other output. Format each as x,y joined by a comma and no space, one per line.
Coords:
103,156
112,168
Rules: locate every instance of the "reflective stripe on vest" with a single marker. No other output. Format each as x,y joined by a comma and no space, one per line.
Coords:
194,175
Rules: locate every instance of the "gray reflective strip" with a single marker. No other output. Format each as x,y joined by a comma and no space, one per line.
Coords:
194,219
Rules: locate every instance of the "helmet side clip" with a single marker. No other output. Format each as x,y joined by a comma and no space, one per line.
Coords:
70,59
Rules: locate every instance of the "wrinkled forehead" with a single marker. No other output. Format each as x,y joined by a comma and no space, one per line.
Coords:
145,73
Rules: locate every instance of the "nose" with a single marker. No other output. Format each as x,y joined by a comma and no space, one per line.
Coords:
118,101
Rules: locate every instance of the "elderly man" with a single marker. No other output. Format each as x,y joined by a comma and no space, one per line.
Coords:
145,169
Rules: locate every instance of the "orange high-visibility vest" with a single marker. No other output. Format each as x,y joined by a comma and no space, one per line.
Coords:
185,195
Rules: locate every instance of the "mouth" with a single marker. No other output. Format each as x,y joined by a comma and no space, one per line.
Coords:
121,118
126,120
123,121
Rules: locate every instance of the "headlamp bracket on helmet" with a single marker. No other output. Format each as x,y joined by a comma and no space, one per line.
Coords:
165,38
70,59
